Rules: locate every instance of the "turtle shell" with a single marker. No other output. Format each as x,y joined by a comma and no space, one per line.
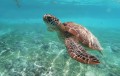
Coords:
82,34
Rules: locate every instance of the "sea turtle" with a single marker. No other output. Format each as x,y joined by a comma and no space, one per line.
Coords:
75,37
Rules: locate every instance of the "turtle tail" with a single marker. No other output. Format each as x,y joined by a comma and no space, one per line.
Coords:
77,52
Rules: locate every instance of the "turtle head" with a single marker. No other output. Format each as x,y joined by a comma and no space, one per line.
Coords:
51,21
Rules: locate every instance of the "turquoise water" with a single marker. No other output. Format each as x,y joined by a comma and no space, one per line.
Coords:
28,49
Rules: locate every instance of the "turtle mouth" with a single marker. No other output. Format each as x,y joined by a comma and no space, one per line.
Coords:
50,19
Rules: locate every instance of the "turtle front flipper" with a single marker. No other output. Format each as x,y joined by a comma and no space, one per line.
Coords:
77,52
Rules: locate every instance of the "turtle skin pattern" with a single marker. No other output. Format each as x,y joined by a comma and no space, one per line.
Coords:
74,34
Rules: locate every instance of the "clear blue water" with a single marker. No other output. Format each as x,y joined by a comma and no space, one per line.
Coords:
28,49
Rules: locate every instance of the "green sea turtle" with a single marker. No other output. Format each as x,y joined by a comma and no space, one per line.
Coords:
74,35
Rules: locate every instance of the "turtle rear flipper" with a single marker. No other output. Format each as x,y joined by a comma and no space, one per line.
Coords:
77,52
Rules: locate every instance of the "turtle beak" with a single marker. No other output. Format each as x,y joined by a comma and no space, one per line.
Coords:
50,19
46,17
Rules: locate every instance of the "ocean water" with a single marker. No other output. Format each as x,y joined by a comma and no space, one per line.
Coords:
28,49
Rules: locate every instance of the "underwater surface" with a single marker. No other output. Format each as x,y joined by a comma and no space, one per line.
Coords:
27,48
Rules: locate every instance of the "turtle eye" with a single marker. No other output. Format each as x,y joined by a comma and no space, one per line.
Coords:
49,19
56,19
